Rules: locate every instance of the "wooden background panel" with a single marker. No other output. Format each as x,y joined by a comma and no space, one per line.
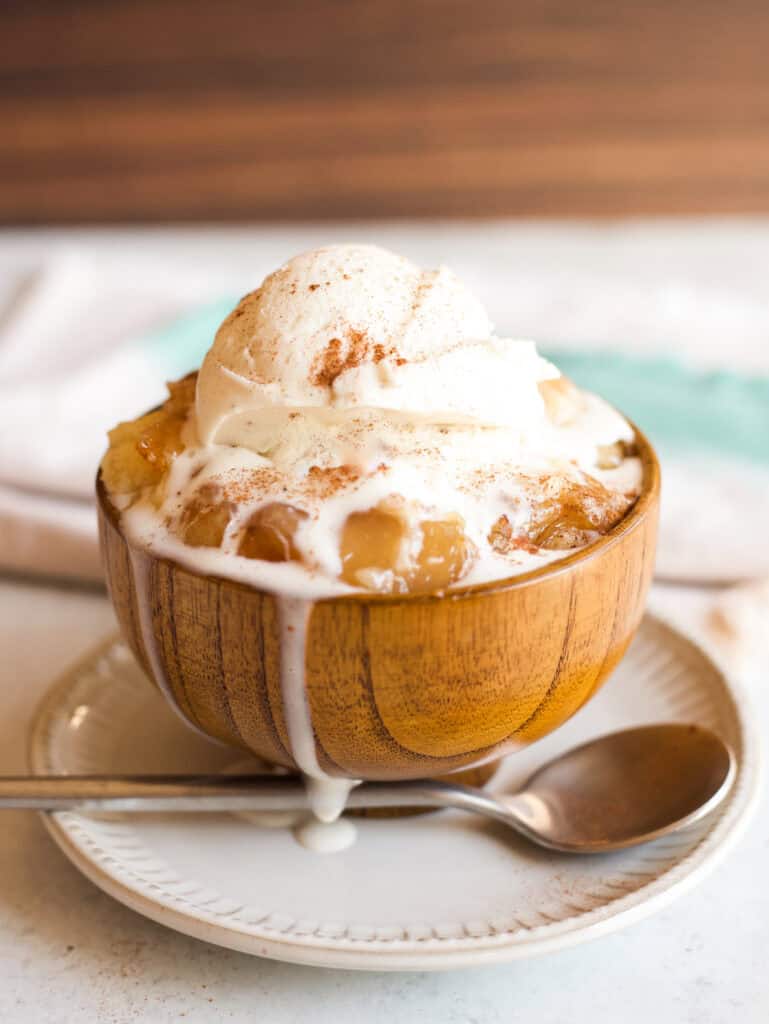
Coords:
177,110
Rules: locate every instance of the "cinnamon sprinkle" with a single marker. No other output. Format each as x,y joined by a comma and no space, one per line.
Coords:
320,484
325,482
340,355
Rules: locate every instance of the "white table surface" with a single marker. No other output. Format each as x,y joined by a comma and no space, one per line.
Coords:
70,953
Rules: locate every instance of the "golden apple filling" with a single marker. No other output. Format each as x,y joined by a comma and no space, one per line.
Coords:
141,451
382,548
395,545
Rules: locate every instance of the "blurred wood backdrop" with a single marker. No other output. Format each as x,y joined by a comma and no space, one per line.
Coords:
126,110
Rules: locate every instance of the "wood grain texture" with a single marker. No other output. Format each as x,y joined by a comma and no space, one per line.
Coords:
398,687
176,110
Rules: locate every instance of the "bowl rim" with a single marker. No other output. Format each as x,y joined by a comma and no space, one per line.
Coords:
646,502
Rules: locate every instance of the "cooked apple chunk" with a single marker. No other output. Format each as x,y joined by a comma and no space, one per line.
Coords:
565,514
563,400
573,513
141,451
205,518
610,456
269,534
504,539
382,550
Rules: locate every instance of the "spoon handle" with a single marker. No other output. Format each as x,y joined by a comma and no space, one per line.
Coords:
150,792
428,793
218,793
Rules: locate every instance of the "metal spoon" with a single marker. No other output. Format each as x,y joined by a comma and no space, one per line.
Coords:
616,791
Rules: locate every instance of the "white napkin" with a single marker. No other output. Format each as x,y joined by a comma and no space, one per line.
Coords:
76,356
48,534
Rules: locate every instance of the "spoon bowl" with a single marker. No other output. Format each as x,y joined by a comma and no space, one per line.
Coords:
625,788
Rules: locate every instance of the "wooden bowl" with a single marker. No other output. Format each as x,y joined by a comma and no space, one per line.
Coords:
398,687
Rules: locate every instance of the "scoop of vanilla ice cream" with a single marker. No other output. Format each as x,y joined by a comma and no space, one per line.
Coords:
353,328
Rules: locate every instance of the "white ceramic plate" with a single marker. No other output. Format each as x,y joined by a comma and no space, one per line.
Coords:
433,892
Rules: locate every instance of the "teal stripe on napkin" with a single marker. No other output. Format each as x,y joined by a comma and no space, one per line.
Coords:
678,407
180,348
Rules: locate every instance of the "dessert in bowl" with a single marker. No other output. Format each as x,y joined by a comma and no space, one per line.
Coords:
370,539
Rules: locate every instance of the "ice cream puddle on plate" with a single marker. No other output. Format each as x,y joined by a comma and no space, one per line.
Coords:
357,426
